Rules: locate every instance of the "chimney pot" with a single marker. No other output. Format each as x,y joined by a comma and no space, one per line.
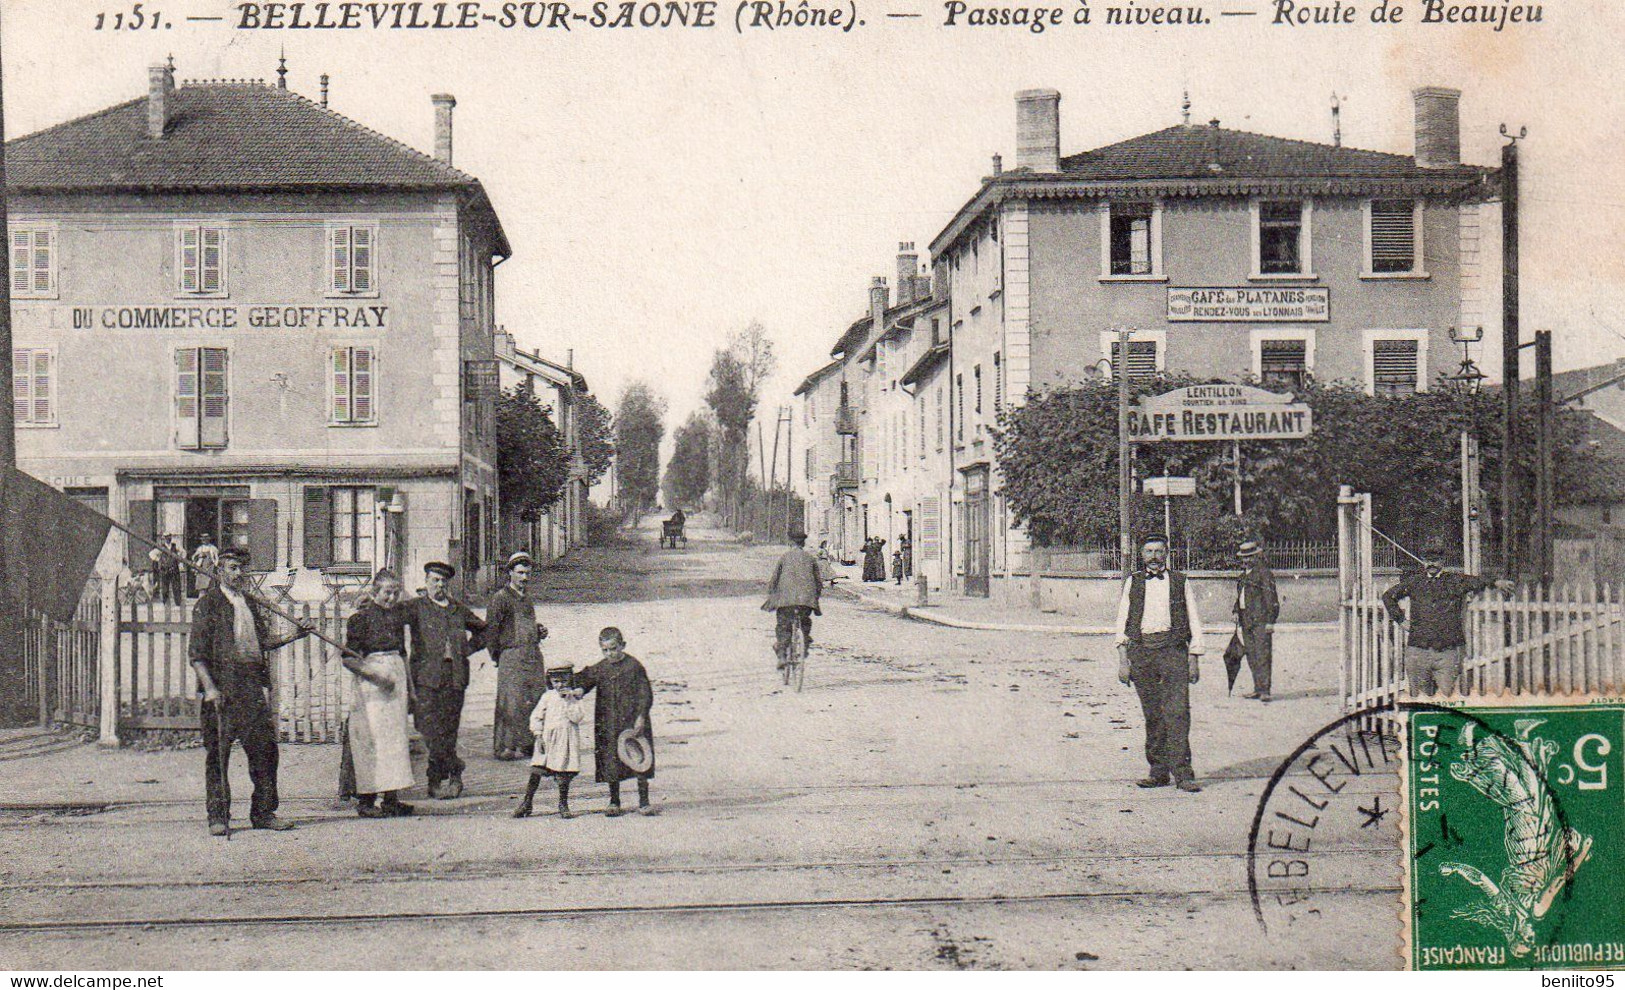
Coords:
1438,126
908,268
324,89
1214,123
1038,130
443,104
160,98
998,164
878,296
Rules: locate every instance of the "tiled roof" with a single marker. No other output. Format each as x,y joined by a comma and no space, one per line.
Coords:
1568,385
812,380
221,136
1606,443
1188,151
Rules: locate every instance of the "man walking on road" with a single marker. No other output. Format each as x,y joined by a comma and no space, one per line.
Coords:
1433,651
1257,607
793,592
441,644
231,635
1159,641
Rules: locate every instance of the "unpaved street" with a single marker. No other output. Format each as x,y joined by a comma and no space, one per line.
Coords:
935,798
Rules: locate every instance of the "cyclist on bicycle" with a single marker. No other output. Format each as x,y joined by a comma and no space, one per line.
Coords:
792,592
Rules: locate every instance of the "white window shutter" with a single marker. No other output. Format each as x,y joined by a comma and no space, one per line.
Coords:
186,397
189,259
21,393
22,244
44,262
338,253
213,398
361,252
341,384
212,262
42,386
361,380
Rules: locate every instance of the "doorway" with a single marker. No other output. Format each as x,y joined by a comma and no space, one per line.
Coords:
976,530
218,516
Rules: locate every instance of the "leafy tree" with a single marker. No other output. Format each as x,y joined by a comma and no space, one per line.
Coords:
533,464
1058,461
688,473
639,428
595,434
733,391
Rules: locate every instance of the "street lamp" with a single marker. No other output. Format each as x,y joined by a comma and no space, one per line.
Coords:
1467,381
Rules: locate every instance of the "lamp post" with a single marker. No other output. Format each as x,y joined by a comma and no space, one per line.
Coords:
1468,380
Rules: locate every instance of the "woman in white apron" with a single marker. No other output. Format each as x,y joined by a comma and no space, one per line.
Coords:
375,642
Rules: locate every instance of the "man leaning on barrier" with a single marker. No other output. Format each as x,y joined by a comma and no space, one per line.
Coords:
1433,650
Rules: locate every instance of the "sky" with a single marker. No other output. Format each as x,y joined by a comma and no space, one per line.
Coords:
664,188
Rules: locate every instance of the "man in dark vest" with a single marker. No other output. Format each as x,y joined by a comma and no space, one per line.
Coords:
1159,641
1257,607
441,643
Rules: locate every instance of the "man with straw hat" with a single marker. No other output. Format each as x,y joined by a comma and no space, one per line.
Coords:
1437,598
1256,609
230,637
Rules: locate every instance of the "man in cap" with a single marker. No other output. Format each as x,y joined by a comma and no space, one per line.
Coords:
1159,641
231,635
444,632
1256,609
793,592
1437,597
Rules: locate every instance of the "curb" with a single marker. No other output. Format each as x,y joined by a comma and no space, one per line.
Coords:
914,613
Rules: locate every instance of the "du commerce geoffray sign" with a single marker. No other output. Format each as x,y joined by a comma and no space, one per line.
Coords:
1218,412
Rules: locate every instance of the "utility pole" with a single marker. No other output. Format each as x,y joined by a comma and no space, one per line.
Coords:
1125,480
1510,369
1545,483
12,688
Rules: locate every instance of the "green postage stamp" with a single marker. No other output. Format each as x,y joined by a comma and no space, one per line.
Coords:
1514,817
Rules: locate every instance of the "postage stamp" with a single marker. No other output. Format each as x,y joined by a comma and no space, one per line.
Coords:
1513,824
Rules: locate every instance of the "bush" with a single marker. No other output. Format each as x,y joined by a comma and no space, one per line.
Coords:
603,525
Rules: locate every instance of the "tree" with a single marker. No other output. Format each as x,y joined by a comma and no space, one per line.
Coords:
688,473
533,464
595,435
639,428
733,391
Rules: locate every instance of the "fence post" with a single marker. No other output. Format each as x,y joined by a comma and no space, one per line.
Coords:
107,670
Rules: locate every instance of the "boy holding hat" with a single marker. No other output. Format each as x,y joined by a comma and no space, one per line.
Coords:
1257,607
444,632
623,741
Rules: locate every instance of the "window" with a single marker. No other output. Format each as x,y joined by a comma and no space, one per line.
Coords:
1283,363
941,408
33,399
201,400
1131,240
998,383
977,372
350,254
33,263
959,407
353,510
351,385
1142,359
919,405
234,526
200,260
1281,238
1394,367
1394,237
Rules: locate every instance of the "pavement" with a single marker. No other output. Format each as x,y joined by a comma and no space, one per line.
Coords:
936,797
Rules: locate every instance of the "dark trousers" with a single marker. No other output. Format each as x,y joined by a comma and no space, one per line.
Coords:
169,587
786,625
245,716
1259,642
1161,677
439,717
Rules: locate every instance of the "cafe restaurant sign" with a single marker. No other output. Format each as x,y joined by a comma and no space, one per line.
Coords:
1218,412
1245,304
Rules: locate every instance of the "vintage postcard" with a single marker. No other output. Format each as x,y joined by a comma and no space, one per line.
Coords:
808,485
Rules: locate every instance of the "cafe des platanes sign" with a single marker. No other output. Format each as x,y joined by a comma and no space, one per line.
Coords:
1218,412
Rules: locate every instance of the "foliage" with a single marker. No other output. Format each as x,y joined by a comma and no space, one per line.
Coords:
595,435
1058,458
603,525
733,391
533,463
688,473
639,428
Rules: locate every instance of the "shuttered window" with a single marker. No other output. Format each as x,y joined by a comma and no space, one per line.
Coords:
941,417
318,514
33,263
352,385
998,383
1395,367
1130,239
1393,236
351,254
1142,359
930,528
201,399
1283,362
352,519
200,264
33,388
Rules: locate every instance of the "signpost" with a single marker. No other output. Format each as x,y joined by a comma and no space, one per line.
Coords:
1168,488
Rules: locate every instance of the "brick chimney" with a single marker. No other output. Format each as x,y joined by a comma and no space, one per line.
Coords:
1438,126
1038,130
908,270
160,99
878,295
443,104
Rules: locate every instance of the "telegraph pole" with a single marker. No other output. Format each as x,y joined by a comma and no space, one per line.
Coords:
1125,480
1510,369
1546,482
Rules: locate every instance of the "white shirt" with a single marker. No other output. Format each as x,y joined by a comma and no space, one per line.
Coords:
1158,616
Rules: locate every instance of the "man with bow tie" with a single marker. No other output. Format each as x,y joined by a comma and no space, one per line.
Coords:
1159,641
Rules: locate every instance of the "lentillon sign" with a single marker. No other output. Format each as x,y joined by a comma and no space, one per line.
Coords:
1218,412
1289,304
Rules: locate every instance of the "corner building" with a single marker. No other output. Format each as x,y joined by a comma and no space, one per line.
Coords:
244,318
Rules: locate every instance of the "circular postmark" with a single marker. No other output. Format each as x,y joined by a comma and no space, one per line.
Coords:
1448,818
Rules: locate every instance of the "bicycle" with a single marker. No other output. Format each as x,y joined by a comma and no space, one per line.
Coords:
795,658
